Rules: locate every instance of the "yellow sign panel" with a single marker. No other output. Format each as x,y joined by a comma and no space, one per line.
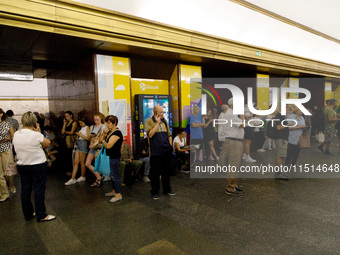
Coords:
262,84
187,73
121,66
294,83
328,91
263,98
152,87
148,87
121,86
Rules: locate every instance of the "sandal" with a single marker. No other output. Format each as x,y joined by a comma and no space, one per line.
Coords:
96,184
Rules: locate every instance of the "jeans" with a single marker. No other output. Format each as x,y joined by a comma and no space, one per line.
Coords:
182,157
33,177
146,165
114,163
160,165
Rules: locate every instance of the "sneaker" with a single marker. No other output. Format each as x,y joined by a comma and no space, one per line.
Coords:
106,178
170,193
244,156
320,147
155,196
112,200
185,170
146,178
81,179
70,182
236,193
270,149
327,152
211,158
281,176
239,189
250,160
217,158
13,189
261,150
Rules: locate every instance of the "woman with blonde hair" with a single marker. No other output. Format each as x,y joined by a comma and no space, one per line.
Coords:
95,132
29,144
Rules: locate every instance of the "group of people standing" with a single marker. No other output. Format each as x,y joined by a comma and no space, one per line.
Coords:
159,148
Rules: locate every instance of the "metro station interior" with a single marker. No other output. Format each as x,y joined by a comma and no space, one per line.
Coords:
64,43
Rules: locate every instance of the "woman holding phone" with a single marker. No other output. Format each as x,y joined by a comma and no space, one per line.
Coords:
68,129
95,130
112,140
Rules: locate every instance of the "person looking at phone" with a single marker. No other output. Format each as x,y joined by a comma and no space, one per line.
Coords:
95,130
160,150
69,128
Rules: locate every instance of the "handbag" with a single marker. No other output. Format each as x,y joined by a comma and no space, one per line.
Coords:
11,169
70,141
102,162
304,141
320,137
12,166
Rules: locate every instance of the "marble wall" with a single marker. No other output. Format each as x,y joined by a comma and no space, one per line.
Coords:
73,89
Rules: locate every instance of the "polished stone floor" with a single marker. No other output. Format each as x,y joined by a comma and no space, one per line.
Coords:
299,216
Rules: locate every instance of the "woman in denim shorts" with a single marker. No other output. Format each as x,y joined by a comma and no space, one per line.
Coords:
81,150
95,130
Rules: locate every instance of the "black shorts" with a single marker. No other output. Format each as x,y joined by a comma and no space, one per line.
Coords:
249,133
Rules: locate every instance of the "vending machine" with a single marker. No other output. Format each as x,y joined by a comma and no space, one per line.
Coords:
144,105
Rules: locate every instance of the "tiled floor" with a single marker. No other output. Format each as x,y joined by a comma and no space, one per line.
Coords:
299,216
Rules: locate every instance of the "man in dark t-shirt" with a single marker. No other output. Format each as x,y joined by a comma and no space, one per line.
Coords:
160,149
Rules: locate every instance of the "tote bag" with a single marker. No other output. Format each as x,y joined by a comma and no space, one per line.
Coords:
102,163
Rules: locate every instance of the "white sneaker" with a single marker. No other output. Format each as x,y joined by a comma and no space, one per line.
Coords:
81,179
270,149
211,158
250,160
244,156
70,182
217,158
106,178
146,178
261,150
